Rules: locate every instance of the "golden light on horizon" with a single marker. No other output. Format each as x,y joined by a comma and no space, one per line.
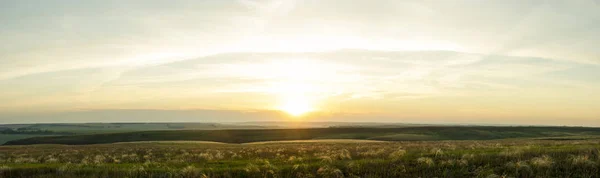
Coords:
296,106
297,84
295,99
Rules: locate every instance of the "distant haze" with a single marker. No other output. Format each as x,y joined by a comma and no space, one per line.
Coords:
459,62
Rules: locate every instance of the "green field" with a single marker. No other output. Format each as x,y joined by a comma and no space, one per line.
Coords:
8,137
385,134
15,131
499,158
420,151
94,128
59,129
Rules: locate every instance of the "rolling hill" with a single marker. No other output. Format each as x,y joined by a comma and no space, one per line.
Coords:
384,134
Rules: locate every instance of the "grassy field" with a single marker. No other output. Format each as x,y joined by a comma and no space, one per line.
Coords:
95,128
337,158
60,129
8,137
422,151
385,134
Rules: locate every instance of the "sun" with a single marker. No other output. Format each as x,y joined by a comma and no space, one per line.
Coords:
296,106
296,84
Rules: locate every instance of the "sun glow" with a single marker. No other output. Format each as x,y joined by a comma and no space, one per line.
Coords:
297,85
295,99
296,106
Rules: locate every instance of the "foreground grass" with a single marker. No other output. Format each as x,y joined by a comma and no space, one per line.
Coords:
502,158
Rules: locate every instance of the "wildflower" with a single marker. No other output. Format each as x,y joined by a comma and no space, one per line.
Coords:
99,159
292,159
219,155
191,171
463,162
250,168
448,162
137,171
512,152
353,166
206,156
51,160
425,161
581,160
520,166
25,160
374,152
344,154
296,166
437,152
326,159
543,161
468,156
328,171
396,155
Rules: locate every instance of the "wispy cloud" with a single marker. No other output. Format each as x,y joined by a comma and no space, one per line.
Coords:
359,56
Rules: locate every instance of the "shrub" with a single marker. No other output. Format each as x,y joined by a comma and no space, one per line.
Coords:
328,171
581,160
191,172
542,162
425,161
397,155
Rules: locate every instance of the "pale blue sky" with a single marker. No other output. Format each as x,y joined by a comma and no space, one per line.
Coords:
506,62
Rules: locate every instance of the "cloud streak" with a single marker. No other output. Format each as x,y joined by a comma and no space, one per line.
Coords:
389,57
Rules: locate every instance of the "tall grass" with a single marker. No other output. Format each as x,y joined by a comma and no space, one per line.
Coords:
507,158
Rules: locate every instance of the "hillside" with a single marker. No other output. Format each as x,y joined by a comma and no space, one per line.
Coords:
385,134
96,128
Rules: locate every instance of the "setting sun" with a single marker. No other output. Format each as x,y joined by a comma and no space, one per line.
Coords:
297,85
296,106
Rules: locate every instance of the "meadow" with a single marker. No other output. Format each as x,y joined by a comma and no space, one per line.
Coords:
574,157
421,133
96,128
8,137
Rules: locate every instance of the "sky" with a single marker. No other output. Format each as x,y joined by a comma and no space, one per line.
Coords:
458,62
